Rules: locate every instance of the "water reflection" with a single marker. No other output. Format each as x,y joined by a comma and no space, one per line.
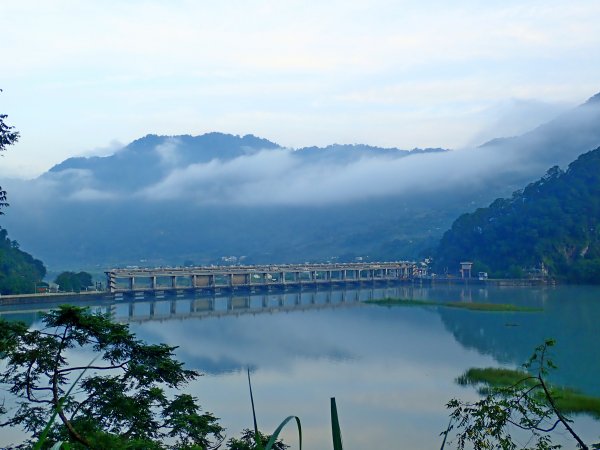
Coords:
570,315
391,369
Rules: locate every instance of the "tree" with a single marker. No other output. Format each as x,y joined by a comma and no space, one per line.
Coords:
248,441
120,401
7,137
529,405
19,271
73,282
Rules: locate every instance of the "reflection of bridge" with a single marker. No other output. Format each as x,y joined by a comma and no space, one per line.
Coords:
184,307
173,305
152,281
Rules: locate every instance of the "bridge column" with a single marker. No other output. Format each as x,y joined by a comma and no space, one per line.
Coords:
313,275
152,309
111,282
174,281
193,280
153,282
282,278
211,281
131,310
230,279
343,274
173,307
131,283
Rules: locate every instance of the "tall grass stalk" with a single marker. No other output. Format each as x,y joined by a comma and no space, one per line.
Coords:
336,433
273,439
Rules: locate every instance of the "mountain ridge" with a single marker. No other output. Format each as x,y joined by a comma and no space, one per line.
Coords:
170,202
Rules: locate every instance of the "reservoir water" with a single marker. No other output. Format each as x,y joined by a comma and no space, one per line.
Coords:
391,369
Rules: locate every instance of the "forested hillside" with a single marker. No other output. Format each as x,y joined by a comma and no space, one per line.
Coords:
19,271
554,221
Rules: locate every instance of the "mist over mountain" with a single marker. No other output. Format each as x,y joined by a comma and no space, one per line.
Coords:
554,221
167,199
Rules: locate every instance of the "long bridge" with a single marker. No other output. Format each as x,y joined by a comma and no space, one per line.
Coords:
145,281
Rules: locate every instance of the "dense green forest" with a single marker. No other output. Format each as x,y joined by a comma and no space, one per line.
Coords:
554,221
19,271
73,282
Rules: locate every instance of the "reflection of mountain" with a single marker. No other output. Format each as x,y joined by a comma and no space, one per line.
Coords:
570,316
164,200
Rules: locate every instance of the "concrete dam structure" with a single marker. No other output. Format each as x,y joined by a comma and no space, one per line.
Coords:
144,281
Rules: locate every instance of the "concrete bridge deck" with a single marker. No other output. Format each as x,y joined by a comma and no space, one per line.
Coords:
149,280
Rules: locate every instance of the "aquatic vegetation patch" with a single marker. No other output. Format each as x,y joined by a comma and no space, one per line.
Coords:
568,400
492,307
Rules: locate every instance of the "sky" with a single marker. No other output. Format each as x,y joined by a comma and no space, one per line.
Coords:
86,77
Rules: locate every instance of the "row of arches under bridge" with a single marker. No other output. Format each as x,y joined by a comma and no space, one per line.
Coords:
213,277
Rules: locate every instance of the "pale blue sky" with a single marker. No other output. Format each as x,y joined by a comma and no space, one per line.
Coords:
81,76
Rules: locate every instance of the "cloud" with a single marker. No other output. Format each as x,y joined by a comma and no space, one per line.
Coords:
515,116
222,181
282,177
167,152
289,177
298,73
105,150
88,194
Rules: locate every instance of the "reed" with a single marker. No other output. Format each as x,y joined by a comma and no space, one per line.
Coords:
336,433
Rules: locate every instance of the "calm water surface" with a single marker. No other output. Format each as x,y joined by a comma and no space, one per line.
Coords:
391,369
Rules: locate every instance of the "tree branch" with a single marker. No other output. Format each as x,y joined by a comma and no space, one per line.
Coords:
559,414
56,400
70,369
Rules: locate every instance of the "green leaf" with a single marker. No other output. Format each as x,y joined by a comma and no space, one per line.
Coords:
336,433
275,434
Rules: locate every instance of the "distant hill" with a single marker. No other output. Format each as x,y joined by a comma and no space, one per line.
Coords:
151,158
554,221
172,199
